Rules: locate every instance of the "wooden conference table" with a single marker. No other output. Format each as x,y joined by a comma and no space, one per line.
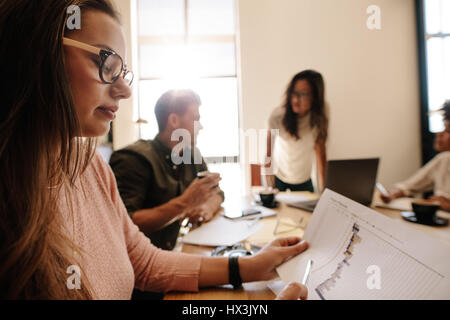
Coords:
289,217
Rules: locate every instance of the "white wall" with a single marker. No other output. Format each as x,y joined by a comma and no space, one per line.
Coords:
125,131
371,77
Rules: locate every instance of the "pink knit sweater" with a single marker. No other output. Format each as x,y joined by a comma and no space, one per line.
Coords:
116,256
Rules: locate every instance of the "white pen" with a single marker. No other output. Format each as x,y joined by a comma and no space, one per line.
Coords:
307,272
381,188
276,226
254,221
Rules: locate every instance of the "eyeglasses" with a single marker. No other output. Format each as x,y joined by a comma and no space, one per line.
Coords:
289,225
111,67
300,95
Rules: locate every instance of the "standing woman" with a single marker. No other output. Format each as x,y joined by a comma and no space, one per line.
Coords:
61,215
303,128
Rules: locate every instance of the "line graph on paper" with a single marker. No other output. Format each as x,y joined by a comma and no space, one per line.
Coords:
341,271
361,254
348,254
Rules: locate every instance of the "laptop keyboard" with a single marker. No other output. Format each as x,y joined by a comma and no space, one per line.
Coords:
306,205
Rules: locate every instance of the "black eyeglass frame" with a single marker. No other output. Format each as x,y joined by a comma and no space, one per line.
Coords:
104,54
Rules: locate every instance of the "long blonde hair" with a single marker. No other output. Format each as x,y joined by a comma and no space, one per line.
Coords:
41,151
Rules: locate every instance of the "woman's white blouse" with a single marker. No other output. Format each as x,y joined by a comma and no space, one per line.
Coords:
292,159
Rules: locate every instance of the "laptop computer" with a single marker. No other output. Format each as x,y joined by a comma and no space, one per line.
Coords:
354,179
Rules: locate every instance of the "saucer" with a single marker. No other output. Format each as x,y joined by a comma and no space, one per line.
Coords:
411,217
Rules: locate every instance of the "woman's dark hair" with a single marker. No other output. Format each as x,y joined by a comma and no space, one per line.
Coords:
41,149
319,118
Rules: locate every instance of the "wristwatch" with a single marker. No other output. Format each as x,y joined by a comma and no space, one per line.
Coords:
233,272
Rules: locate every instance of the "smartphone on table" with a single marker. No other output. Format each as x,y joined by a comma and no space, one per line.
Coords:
236,214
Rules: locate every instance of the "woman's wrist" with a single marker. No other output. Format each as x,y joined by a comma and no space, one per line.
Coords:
397,194
445,204
247,270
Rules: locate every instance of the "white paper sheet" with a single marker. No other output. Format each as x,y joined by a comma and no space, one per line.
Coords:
402,204
264,212
222,232
359,253
276,286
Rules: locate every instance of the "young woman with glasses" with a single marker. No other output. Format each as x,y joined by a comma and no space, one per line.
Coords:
60,209
302,126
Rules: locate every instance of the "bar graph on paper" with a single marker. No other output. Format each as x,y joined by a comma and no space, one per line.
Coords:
345,276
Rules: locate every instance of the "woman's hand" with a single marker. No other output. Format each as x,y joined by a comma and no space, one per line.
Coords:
262,265
444,203
386,198
293,291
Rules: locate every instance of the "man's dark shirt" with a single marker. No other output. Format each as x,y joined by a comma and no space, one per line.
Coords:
147,178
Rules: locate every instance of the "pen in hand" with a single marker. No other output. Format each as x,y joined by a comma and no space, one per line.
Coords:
307,272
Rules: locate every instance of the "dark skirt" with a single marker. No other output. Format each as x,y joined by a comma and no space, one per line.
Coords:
305,186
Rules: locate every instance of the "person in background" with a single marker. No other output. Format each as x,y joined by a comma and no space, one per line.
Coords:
435,175
61,215
303,128
157,192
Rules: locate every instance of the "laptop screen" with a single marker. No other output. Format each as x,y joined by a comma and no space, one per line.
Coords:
354,179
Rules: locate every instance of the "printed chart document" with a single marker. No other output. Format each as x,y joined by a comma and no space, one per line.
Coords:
361,254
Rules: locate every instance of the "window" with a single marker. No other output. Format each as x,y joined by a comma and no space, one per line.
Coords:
433,38
437,35
192,44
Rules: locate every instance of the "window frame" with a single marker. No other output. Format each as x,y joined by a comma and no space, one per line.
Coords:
427,137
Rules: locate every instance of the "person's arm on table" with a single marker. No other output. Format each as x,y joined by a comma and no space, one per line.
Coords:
421,181
444,203
386,198
198,192
259,267
212,206
207,210
321,156
133,175
154,219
